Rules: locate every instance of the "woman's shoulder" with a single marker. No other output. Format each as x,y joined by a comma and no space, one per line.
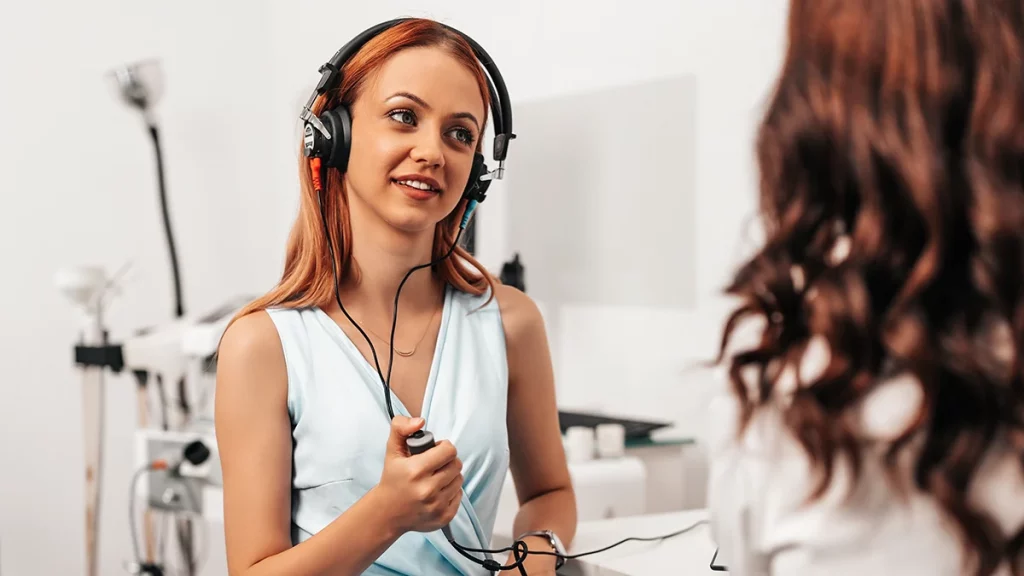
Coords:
250,360
261,331
249,337
762,484
520,315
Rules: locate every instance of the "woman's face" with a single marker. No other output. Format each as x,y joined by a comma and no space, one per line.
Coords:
415,127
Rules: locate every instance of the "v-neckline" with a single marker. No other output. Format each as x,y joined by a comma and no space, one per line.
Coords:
370,370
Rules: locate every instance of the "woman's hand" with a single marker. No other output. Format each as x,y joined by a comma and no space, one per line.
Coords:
423,491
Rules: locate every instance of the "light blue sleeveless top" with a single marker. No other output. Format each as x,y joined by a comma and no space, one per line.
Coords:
340,427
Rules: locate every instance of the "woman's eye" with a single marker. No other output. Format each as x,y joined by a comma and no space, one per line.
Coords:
403,116
463,135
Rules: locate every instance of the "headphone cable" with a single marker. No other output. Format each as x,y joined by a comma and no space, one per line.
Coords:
318,171
519,549
623,541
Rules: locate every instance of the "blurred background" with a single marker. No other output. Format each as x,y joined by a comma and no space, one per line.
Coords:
628,200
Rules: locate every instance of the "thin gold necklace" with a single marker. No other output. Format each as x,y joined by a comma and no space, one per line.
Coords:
403,353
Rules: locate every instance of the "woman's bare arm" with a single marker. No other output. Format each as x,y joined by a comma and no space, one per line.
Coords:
537,461
255,445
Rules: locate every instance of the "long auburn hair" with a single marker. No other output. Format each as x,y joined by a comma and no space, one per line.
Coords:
896,127
308,276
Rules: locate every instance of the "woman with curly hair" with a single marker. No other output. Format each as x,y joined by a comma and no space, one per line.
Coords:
875,420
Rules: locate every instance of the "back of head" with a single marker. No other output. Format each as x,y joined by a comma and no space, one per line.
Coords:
891,159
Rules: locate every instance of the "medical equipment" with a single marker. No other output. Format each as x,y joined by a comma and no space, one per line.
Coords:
195,453
140,85
175,356
179,351
86,288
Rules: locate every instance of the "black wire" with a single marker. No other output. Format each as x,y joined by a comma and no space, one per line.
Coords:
179,308
162,396
337,296
623,541
394,318
185,544
184,530
515,548
183,404
519,548
131,512
386,381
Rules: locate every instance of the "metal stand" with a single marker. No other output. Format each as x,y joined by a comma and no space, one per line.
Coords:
86,287
93,400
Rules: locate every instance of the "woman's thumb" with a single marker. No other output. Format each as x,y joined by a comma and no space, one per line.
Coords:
403,426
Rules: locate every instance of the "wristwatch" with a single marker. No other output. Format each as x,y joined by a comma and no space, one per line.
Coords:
555,543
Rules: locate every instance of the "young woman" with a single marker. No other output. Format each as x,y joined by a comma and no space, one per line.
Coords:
879,404
317,479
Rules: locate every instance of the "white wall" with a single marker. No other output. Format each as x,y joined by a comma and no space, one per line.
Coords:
76,179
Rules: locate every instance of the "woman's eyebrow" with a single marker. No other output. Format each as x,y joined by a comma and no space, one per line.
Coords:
423,103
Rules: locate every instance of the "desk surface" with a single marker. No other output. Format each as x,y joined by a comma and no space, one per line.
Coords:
688,553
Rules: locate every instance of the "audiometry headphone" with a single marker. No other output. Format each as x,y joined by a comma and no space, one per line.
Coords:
329,135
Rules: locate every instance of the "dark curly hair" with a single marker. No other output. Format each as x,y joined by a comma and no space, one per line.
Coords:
896,130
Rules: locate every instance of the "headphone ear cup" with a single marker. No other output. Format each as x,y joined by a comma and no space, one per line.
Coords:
338,122
481,190
475,187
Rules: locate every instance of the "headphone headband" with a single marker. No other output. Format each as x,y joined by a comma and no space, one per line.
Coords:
501,109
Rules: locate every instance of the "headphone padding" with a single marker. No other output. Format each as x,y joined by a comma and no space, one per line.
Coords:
475,173
339,124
